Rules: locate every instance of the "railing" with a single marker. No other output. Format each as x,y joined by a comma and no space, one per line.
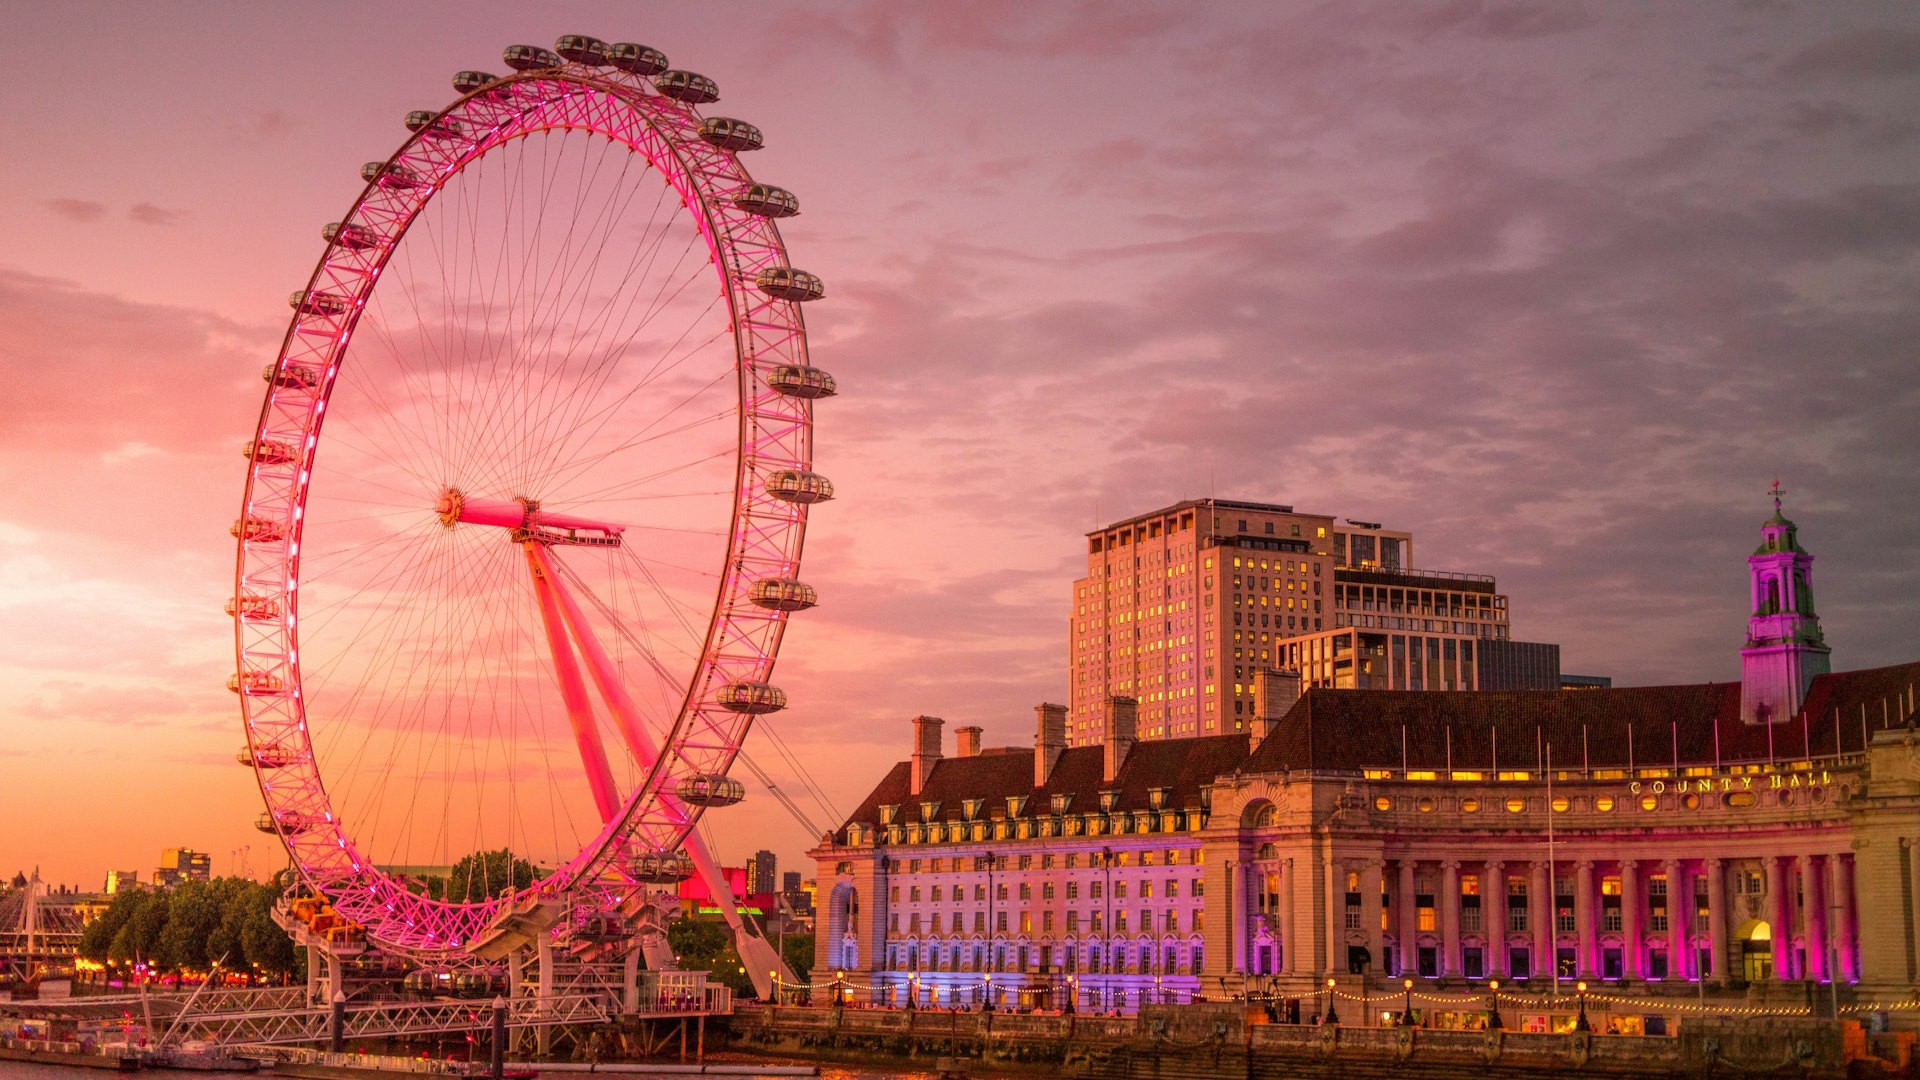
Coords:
1404,577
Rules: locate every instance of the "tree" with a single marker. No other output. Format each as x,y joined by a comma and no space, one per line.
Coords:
486,874
193,914
140,935
262,942
797,951
708,946
97,938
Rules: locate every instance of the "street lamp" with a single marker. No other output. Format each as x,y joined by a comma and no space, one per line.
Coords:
1493,1006
913,991
839,988
1580,1022
1333,1016
1406,1012
989,979
1073,992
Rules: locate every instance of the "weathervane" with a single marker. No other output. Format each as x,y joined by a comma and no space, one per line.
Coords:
1776,491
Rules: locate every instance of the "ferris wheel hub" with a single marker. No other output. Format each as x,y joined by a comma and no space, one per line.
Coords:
525,521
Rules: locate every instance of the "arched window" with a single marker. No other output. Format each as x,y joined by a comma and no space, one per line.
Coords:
1773,596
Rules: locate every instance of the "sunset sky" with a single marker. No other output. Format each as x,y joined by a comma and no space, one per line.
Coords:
1560,288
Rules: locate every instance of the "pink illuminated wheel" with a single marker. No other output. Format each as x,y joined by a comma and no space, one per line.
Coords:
525,502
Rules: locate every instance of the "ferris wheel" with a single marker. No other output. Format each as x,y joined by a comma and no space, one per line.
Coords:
526,498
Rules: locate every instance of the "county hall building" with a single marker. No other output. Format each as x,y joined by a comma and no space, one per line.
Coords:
1740,843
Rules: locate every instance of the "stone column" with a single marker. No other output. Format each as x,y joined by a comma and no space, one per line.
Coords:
1716,872
1336,926
1409,926
1846,934
1679,920
1289,946
1913,873
1813,895
1450,918
1493,916
1629,919
1583,918
1372,876
1540,917
1781,915
1238,918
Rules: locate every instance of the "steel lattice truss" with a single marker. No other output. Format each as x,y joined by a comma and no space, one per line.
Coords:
293,1026
763,539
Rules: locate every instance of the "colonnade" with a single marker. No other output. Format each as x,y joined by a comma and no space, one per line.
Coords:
1603,924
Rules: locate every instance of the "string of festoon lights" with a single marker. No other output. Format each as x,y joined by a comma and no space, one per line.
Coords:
1498,996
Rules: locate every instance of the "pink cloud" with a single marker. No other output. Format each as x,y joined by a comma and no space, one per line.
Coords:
85,211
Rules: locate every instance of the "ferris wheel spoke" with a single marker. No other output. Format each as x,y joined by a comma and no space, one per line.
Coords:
553,319
569,447
613,353
640,437
602,361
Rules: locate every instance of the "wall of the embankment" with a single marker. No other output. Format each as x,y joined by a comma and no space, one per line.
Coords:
1202,1042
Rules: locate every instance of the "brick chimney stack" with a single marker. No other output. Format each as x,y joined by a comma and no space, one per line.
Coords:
1122,722
1274,692
966,741
1049,740
926,751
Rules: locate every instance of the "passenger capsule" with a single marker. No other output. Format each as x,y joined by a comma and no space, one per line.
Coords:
752,698
798,380
687,86
582,49
290,822
432,125
351,237
529,58
799,486
265,757
255,683
782,594
389,175
292,376
321,304
253,607
786,283
661,868
636,59
268,452
257,530
466,82
710,789
729,134
767,201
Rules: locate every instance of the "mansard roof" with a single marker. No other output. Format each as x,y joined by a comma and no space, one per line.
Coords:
1181,766
1640,726
1353,730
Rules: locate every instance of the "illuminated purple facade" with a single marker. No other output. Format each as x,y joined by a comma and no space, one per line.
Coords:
1653,842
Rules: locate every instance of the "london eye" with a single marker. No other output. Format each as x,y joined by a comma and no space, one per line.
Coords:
525,501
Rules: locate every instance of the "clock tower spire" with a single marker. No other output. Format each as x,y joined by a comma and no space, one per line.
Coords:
1784,648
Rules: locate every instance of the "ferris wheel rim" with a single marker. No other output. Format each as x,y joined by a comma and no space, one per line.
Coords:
643,818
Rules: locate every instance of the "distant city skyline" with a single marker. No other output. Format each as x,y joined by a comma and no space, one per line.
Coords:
1558,289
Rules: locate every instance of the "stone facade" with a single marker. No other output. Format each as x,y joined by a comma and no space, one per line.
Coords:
1654,842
